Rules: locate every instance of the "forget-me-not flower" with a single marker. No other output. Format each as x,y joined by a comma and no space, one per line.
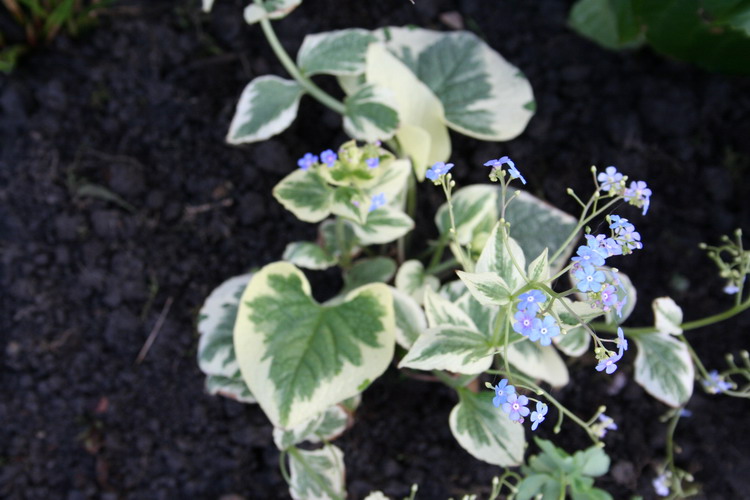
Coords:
610,179
515,407
538,416
440,168
531,301
377,201
544,330
307,161
328,157
502,392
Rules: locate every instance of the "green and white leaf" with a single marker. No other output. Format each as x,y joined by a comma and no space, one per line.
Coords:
484,96
482,316
207,5
538,361
339,52
503,255
325,426
422,133
485,432
377,495
383,225
539,268
471,205
270,9
488,289
338,238
216,357
392,182
310,470
453,290
412,280
440,311
580,310
454,348
349,203
537,225
370,114
308,255
299,357
267,106
625,291
574,343
366,271
664,368
668,316
410,318
306,194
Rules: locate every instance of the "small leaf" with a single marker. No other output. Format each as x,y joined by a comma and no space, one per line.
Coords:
488,288
610,23
453,348
269,9
664,368
383,225
535,484
412,280
308,255
371,114
338,238
267,106
486,432
668,316
299,357
471,205
502,255
593,461
216,356
410,318
539,268
306,195
538,361
325,426
441,311
334,52
317,474
366,271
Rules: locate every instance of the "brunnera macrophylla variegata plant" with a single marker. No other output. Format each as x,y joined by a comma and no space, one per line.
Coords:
498,309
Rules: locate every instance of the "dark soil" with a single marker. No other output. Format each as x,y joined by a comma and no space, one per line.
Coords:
141,106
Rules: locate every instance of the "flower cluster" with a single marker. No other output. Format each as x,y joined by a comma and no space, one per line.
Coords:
529,323
435,172
329,159
609,363
662,483
613,182
497,169
604,424
715,383
515,405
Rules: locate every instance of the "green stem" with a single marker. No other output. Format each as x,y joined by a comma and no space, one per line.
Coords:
581,223
443,266
307,84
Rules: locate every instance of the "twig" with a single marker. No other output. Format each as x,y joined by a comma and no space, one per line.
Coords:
154,331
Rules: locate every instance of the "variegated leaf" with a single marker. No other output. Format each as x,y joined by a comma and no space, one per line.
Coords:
454,348
574,343
269,9
317,474
308,255
339,52
441,311
306,194
503,255
539,268
383,225
371,114
410,318
267,106
299,357
471,205
325,426
540,362
366,271
488,288
668,316
664,368
216,357
412,280
486,432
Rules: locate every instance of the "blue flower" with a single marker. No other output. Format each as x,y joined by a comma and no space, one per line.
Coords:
440,168
731,289
377,201
372,162
307,161
512,170
629,238
588,255
605,424
610,364
537,417
515,407
616,222
639,195
531,301
622,342
328,157
544,329
524,323
610,179
715,384
661,485
609,297
588,278
502,392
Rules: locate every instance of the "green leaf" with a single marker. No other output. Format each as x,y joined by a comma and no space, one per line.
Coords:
440,311
485,432
412,280
664,368
668,316
487,288
267,106
535,484
482,93
306,194
335,52
269,9
538,361
317,474
610,23
325,426
454,348
371,114
422,133
338,238
592,461
503,255
482,316
383,225
539,268
366,271
471,206
299,357
216,357
410,318
308,255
